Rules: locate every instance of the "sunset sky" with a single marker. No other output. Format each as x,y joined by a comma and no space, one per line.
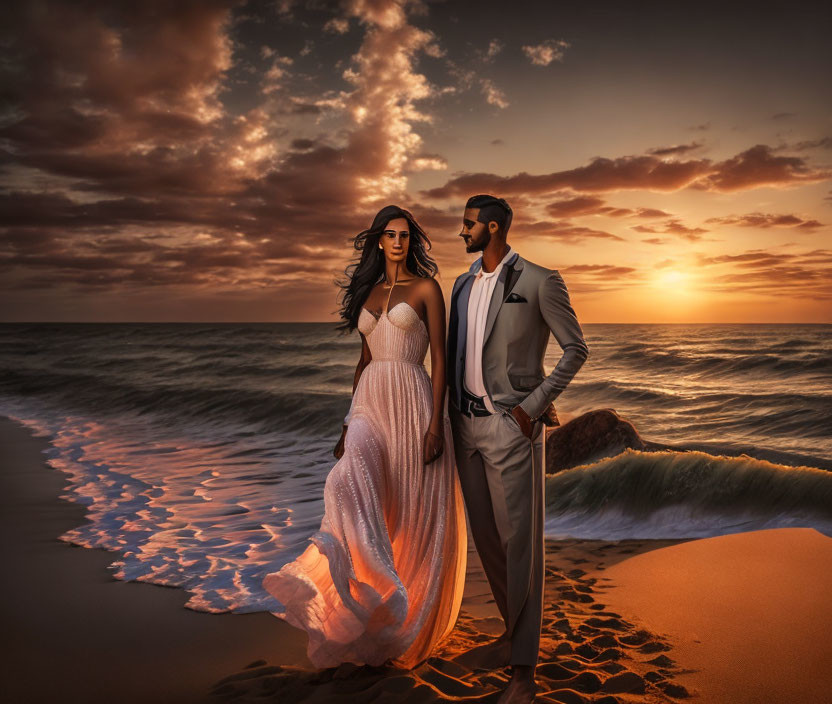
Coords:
210,160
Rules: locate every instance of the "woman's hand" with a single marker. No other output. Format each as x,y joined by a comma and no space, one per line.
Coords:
339,448
433,445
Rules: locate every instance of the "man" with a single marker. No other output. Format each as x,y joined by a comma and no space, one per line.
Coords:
502,312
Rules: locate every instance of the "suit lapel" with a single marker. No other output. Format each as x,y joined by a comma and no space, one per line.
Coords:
505,282
458,333
462,311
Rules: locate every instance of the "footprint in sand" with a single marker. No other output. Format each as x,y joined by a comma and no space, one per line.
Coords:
629,682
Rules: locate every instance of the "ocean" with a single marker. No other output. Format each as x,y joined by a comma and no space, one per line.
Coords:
201,450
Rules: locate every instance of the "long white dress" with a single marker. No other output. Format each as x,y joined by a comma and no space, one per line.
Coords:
383,576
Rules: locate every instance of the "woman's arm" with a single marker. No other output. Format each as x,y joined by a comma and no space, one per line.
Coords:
365,358
435,313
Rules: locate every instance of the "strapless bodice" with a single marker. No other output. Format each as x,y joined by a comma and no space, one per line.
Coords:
399,335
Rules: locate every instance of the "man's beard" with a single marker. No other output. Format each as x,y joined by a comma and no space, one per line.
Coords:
478,246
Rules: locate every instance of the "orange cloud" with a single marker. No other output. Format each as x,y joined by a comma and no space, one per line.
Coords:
767,220
753,168
673,227
770,273
593,205
676,149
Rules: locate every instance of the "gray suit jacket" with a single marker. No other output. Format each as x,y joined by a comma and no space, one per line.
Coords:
529,302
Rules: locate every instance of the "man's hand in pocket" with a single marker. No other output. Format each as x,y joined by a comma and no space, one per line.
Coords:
523,419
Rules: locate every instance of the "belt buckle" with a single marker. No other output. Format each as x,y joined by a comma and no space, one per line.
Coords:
474,405
465,407
480,409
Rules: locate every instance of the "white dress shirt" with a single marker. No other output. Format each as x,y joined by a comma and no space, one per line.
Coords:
479,301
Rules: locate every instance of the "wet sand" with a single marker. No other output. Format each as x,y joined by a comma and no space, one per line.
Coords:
625,621
74,633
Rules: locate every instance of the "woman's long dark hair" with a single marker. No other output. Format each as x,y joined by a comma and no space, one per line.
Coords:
364,274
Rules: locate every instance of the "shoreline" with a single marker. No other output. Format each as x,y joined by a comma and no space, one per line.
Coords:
78,634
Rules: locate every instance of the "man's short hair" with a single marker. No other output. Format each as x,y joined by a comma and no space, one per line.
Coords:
492,208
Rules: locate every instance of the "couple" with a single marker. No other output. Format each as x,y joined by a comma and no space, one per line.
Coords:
382,580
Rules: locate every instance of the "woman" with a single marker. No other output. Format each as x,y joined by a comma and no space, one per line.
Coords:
382,580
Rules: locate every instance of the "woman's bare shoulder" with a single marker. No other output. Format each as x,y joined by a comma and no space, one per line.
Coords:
429,288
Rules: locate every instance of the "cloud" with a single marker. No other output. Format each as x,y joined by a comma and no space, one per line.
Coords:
651,213
337,25
561,230
673,227
487,56
769,273
821,143
601,269
273,79
495,46
601,175
675,149
426,162
758,166
593,205
141,174
803,275
466,79
493,95
587,279
580,205
154,145
546,52
752,168
768,220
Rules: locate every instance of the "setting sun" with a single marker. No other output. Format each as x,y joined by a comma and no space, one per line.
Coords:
673,279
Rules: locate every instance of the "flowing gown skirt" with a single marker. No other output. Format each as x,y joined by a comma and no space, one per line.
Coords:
383,577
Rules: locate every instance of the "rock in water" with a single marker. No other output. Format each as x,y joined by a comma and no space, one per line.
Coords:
591,437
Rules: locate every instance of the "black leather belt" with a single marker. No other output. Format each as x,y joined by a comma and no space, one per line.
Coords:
473,405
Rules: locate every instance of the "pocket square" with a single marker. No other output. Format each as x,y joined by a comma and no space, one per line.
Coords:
516,298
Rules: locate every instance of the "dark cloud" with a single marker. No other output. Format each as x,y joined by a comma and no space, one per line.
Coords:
758,166
673,227
153,181
767,220
753,168
580,205
822,143
593,205
676,149
562,230
602,174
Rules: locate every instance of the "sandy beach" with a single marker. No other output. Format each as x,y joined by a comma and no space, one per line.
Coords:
749,614
74,633
738,618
